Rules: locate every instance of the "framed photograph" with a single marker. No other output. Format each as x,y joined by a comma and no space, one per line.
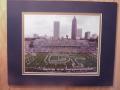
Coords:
65,44
61,42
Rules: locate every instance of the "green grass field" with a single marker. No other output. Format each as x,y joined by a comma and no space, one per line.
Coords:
59,61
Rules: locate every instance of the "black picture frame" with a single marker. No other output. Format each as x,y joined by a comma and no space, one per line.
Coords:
14,37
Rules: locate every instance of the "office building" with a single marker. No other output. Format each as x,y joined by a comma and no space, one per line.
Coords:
79,33
87,35
56,29
74,28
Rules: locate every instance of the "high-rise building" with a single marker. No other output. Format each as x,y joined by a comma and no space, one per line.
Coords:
74,28
87,35
56,29
36,36
79,33
94,36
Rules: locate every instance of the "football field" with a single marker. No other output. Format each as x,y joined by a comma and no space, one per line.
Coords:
57,62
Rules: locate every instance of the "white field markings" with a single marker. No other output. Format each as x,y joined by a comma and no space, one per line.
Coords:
45,60
65,58
62,58
31,60
73,62
76,60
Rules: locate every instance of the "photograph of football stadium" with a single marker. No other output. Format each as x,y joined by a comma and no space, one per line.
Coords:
61,44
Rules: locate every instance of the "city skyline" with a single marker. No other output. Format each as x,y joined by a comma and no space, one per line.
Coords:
44,24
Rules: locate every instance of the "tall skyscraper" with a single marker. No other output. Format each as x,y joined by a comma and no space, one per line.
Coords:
74,28
56,29
87,35
79,33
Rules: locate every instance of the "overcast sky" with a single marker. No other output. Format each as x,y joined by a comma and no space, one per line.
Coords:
43,24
